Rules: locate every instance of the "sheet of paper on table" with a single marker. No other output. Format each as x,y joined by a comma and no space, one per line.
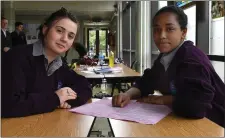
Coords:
134,111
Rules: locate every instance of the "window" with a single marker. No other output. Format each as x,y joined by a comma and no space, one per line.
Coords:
217,35
102,41
92,40
182,3
162,4
191,32
97,41
217,28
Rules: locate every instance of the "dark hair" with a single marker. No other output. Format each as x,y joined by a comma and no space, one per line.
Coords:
82,51
181,16
3,18
60,14
18,24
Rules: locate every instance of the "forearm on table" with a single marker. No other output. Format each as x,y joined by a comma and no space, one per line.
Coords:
134,93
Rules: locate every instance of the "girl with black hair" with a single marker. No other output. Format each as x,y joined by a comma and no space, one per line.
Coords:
34,78
182,73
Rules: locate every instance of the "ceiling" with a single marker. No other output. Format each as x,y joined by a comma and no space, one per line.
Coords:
84,10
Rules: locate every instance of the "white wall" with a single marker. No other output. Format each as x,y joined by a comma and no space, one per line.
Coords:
217,36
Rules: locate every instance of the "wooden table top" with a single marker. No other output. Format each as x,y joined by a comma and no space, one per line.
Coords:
60,122
88,75
169,126
127,72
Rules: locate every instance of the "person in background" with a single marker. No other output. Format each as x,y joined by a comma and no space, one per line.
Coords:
6,41
78,54
182,73
18,36
35,80
77,51
84,59
81,50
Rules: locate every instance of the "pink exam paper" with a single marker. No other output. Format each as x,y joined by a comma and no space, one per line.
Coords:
134,111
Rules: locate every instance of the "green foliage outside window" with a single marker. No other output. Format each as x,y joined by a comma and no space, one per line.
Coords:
102,40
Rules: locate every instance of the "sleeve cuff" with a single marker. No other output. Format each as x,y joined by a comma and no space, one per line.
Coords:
55,100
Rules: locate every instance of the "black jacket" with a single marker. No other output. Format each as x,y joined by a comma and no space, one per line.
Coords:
26,88
6,41
18,39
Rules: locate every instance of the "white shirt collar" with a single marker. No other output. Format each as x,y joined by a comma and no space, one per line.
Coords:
168,57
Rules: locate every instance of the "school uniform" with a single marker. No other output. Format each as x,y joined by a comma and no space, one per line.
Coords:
187,74
29,83
6,40
18,38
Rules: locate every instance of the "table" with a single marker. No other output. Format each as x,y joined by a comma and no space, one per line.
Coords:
64,123
127,75
127,72
169,126
60,122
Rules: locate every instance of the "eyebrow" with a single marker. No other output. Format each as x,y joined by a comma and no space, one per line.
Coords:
167,24
65,29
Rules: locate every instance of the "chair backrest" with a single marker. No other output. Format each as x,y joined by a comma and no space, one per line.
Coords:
133,64
216,58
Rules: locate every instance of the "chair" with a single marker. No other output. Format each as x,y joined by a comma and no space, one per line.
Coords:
133,65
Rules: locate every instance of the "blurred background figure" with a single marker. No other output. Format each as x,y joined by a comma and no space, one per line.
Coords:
76,52
6,42
82,51
18,36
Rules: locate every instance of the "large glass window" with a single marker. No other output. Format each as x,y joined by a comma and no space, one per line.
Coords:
217,28
92,40
191,13
97,41
217,35
162,4
102,41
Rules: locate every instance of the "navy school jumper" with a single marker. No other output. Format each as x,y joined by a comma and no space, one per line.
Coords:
197,89
26,88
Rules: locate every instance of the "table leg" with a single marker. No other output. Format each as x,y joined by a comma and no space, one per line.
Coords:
113,135
89,133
